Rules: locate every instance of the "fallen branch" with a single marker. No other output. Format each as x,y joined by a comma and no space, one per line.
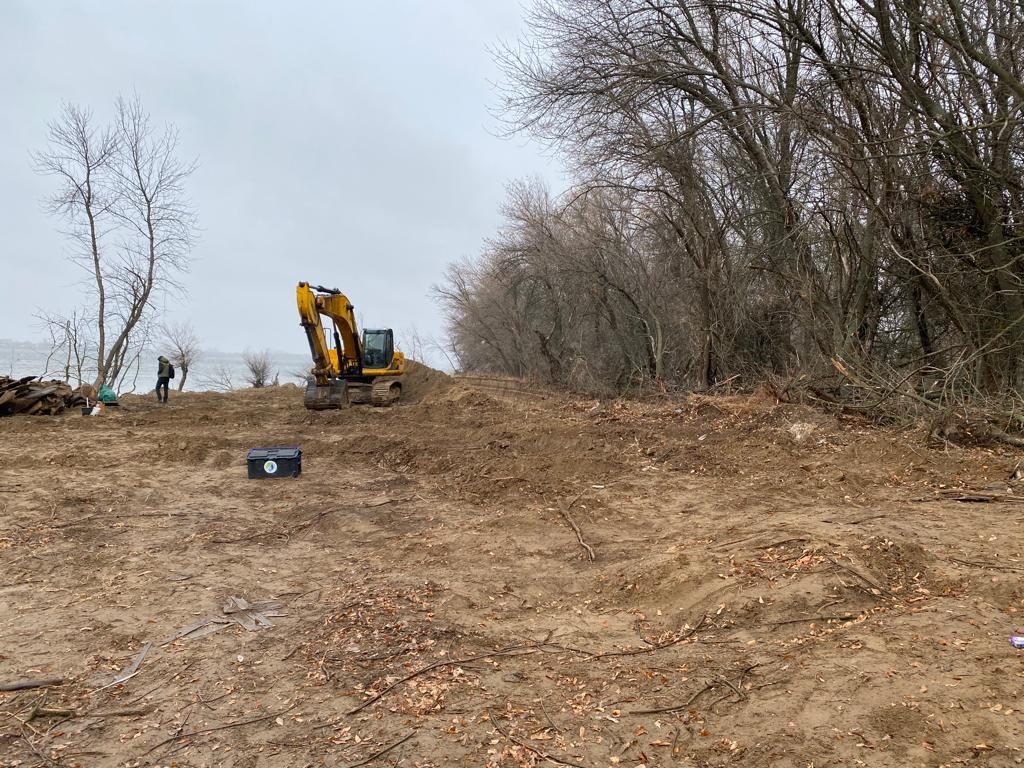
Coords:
576,529
250,537
999,435
307,523
24,685
958,494
200,731
676,707
802,619
128,672
517,650
658,647
538,752
992,566
383,752
50,712
857,521
859,574
775,544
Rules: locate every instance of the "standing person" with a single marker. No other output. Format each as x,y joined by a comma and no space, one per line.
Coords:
164,374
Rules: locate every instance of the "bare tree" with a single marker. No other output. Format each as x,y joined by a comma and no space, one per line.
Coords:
258,366
184,348
69,346
762,189
121,193
221,379
413,344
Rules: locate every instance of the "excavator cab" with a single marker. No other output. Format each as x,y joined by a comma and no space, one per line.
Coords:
378,348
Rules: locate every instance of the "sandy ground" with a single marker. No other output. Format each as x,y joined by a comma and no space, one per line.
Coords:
759,594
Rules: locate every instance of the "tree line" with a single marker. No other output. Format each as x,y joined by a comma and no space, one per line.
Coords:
816,188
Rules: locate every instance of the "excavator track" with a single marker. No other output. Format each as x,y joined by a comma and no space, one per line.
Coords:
382,391
385,391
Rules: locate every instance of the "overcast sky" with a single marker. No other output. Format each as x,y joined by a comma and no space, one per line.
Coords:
345,143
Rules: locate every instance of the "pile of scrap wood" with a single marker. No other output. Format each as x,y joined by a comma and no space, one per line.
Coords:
40,397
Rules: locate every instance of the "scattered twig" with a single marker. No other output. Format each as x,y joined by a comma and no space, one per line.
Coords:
128,712
35,750
179,672
737,687
384,751
660,646
859,574
575,498
538,752
516,650
677,707
307,523
24,685
381,502
128,672
251,536
960,494
136,663
783,541
24,723
70,523
40,711
857,521
730,542
992,566
547,717
838,617
674,750
734,688
200,731
293,651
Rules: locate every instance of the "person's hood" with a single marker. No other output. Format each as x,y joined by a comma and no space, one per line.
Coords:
163,359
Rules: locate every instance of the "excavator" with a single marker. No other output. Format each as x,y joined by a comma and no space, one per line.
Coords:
354,369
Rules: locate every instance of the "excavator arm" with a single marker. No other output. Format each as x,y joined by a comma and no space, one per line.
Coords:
332,303
328,388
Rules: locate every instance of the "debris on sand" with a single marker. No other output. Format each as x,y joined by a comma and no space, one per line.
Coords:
237,610
432,581
800,431
46,398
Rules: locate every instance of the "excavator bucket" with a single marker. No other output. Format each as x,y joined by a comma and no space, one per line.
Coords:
327,397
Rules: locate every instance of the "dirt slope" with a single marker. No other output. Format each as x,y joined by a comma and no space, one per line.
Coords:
769,586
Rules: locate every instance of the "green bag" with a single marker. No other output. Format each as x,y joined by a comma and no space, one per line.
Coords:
106,395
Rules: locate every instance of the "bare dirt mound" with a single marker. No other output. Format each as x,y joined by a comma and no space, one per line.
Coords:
477,579
421,381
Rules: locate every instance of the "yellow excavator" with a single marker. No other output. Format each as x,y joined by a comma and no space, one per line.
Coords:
355,369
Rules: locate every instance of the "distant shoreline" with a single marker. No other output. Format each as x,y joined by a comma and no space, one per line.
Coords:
212,372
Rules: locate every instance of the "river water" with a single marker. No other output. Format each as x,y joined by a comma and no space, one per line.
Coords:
213,370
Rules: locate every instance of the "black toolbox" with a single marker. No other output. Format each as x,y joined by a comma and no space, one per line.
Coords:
283,461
